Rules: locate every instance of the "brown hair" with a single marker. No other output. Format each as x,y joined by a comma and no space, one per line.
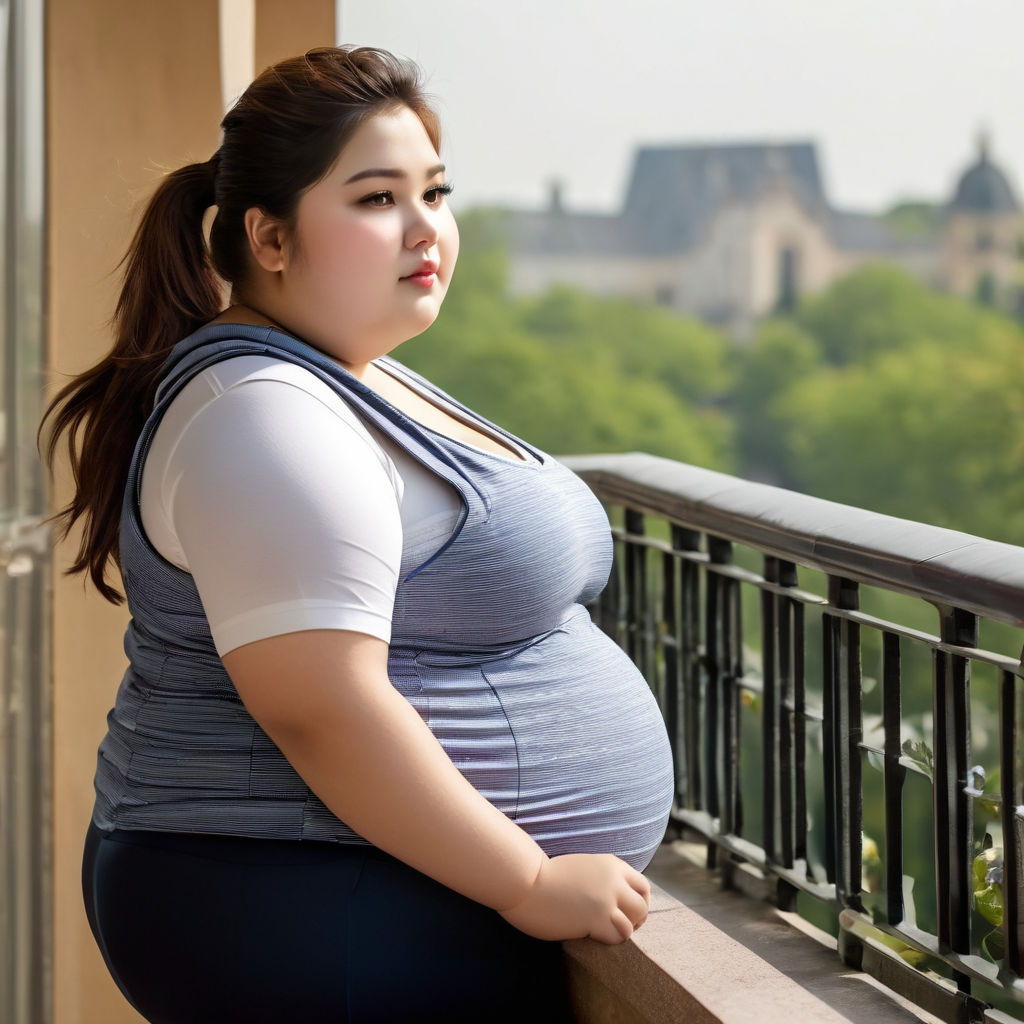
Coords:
281,137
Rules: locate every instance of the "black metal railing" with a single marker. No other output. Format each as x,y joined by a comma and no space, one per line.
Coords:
819,667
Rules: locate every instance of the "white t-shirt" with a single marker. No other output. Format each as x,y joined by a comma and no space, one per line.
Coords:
289,512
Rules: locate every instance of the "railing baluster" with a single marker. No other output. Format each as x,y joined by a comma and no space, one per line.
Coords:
672,661
732,818
893,775
651,588
1011,797
769,709
954,832
787,578
829,732
692,666
716,625
610,616
843,721
799,734
636,587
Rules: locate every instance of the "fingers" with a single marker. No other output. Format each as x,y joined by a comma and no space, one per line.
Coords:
637,901
622,924
612,930
628,915
635,907
619,928
640,884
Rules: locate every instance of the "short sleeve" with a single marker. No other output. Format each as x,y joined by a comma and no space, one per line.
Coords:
285,512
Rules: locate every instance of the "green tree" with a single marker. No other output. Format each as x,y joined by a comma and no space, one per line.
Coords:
780,354
879,309
914,218
928,432
647,342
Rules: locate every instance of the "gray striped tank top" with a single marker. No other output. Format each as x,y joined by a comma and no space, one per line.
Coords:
491,644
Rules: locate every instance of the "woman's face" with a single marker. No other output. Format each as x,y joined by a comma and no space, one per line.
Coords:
374,244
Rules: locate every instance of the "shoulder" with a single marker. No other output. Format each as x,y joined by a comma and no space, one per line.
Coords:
257,426
253,440
278,377
256,396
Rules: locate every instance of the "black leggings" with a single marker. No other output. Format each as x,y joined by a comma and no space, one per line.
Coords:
198,928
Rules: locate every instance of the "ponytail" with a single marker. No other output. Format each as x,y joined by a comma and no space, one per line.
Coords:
170,289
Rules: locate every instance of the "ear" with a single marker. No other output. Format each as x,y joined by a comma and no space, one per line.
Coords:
266,238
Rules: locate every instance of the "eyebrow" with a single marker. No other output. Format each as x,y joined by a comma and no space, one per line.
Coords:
391,172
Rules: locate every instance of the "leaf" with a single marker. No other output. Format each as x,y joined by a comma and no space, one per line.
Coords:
989,800
921,754
987,873
994,945
912,956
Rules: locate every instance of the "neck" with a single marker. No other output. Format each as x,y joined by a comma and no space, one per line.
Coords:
240,312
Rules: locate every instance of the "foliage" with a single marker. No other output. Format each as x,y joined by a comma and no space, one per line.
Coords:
884,394
879,309
780,353
913,218
919,754
930,431
987,875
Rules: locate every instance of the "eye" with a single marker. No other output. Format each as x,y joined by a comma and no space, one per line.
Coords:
435,195
379,199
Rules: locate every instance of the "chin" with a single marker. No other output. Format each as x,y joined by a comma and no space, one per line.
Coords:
424,317
409,329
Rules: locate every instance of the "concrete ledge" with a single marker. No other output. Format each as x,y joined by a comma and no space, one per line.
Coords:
709,952
681,969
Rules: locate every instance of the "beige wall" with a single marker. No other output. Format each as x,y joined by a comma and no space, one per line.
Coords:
132,90
635,277
963,263
287,27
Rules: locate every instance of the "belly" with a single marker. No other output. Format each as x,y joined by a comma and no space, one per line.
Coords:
563,735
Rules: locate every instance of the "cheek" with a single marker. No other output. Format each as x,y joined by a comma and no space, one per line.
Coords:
341,251
448,237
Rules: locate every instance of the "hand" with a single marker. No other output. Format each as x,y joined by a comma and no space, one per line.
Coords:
583,894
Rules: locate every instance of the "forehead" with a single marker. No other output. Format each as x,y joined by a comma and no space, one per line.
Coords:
393,139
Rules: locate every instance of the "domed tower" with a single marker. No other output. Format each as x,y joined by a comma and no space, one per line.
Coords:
983,240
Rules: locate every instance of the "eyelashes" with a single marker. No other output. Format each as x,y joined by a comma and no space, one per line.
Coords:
433,195
441,191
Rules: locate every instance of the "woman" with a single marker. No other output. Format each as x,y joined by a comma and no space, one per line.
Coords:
370,755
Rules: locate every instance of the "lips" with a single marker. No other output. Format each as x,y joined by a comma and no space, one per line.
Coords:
425,276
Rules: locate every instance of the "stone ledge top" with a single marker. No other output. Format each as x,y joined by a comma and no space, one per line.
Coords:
715,956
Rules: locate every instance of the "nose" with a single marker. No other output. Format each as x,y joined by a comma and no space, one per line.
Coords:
423,227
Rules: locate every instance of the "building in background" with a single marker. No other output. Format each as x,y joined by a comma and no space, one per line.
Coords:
734,232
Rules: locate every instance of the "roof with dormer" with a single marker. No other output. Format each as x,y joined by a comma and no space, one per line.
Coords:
675,191
674,194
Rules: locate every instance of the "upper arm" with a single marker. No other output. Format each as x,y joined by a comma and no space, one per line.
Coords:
287,515
296,681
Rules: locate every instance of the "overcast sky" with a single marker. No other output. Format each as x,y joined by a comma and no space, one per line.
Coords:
894,92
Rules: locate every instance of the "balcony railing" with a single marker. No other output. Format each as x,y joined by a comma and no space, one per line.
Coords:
819,668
